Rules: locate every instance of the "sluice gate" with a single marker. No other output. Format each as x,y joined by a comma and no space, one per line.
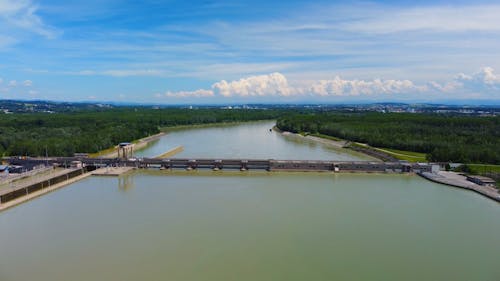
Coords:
234,164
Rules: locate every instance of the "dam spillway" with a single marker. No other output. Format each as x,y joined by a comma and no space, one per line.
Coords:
234,164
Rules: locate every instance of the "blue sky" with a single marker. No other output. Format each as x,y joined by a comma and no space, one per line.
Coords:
172,52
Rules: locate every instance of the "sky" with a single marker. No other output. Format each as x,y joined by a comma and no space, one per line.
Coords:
220,52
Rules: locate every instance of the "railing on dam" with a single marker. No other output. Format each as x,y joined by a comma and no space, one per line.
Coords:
241,164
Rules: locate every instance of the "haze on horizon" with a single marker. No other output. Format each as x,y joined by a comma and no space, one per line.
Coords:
178,52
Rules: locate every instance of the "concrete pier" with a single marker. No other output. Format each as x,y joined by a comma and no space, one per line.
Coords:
457,180
20,193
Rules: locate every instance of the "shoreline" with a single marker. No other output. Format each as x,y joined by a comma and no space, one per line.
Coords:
456,180
138,145
334,143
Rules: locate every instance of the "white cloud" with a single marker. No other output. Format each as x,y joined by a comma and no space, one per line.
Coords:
12,83
485,79
341,87
21,14
483,82
28,83
434,18
274,84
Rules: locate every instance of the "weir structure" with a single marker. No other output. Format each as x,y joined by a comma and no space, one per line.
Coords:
117,166
238,164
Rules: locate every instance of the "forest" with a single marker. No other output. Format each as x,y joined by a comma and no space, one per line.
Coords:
455,138
89,131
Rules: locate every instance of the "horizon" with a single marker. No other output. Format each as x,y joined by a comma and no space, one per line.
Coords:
236,52
334,104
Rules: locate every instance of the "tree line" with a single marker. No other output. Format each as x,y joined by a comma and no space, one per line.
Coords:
456,138
89,131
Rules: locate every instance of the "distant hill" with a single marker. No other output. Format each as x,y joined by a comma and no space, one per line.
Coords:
19,106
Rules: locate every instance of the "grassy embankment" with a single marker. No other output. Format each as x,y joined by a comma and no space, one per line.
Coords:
409,156
484,168
442,138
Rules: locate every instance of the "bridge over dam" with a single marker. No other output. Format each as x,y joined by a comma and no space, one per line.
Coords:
231,164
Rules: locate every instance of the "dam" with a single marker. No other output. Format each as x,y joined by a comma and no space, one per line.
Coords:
232,164
78,166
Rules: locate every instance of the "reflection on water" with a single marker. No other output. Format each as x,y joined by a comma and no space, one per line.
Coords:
125,182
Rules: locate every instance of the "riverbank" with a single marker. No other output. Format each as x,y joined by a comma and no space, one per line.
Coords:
138,145
460,181
338,144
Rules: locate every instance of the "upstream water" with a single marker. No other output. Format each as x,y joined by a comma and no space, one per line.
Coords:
246,140
163,225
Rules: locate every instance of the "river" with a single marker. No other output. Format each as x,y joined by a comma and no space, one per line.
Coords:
204,225
246,140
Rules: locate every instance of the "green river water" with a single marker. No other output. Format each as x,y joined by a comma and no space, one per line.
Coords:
204,225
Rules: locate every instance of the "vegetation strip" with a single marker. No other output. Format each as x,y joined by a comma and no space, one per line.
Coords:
91,131
443,138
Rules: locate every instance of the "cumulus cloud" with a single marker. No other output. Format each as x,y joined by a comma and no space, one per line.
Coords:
12,83
341,87
276,85
28,83
485,79
484,82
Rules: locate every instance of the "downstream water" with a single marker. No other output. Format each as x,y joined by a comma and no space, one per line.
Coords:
162,225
